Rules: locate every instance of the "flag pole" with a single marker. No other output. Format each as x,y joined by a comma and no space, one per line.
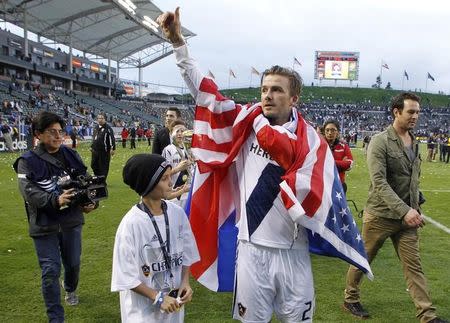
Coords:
251,77
229,76
426,84
381,72
403,79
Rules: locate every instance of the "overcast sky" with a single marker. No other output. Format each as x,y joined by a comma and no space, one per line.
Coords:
406,34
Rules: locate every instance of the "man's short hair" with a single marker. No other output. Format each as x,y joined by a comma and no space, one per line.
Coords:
102,114
295,80
176,110
44,120
398,101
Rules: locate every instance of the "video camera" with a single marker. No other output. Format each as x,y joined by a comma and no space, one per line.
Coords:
87,189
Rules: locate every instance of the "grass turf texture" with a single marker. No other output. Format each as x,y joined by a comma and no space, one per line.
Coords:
385,298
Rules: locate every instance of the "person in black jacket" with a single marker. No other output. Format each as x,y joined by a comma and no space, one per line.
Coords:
162,137
132,137
103,147
55,223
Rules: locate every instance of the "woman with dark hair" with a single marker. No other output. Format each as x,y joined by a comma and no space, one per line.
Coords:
341,151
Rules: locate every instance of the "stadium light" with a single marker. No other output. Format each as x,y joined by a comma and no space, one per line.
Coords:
149,22
128,5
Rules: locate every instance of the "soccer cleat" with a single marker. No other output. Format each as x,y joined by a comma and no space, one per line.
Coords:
71,299
438,320
356,309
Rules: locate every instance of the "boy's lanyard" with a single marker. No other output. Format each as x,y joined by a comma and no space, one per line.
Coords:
165,247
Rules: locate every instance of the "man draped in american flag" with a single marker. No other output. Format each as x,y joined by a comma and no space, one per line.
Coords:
264,168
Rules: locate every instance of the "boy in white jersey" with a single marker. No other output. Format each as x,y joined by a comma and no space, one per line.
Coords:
273,271
179,158
153,248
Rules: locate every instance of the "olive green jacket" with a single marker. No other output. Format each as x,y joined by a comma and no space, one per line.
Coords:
394,177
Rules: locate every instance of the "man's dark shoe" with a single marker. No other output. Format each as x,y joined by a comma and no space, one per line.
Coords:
438,320
356,309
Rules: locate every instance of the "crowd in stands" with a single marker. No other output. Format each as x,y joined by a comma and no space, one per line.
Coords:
22,100
366,117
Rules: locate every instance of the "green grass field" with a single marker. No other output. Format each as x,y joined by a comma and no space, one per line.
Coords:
385,298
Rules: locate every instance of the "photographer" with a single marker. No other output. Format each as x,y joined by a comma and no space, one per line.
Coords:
55,222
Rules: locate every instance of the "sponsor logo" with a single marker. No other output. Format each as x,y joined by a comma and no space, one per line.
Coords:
259,151
242,309
176,261
16,145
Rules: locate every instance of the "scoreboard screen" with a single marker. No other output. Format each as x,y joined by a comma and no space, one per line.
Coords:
336,65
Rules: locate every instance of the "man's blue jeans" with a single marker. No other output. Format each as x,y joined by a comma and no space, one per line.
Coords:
51,249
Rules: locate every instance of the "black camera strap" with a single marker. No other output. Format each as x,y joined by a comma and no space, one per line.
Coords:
165,247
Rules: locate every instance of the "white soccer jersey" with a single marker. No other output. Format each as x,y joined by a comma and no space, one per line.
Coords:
171,154
138,258
264,219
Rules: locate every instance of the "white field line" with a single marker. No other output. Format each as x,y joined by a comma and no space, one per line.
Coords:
437,224
437,191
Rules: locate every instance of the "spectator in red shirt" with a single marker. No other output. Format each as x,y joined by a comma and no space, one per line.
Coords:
341,151
124,134
149,135
140,133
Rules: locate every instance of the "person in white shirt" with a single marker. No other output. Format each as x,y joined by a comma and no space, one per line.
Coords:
153,248
179,157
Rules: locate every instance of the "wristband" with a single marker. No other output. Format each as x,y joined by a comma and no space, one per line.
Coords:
159,299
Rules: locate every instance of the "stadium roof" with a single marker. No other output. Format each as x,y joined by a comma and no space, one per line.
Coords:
119,28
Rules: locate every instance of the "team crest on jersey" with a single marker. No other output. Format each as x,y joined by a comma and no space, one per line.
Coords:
146,270
242,309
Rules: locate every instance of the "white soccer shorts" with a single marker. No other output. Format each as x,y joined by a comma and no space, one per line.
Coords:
273,280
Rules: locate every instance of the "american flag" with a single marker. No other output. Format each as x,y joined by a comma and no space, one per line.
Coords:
385,65
430,77
310,189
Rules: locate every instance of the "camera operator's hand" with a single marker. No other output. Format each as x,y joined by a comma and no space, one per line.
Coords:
88,208
65,198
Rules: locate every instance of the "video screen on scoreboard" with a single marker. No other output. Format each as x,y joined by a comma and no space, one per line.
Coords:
336,65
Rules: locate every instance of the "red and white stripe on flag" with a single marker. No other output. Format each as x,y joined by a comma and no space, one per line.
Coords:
220,129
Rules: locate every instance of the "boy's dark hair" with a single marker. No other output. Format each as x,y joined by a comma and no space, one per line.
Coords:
176,110
331,121
177,123
44,120
295,80
398,101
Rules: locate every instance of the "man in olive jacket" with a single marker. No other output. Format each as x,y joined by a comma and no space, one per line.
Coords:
392,209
